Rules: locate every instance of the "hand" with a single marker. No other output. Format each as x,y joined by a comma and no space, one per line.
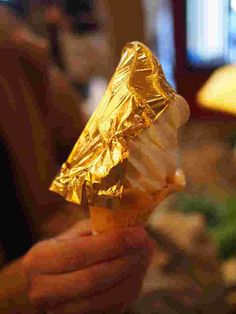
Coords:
77,272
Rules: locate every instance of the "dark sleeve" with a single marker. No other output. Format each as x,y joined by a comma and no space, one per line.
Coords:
16,235
27,144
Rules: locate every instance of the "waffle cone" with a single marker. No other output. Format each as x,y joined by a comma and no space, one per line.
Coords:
104,219
135,208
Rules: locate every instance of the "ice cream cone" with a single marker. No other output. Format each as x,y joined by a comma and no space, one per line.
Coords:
104,219
151,173
134,209
125,161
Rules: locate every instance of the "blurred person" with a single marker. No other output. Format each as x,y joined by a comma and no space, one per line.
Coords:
33,115
39,123
125,22
91,30
75,37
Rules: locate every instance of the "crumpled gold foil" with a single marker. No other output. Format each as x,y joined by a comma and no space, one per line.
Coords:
136,95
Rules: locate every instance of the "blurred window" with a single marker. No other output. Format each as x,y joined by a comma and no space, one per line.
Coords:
232,32
164,25
211,32
159,31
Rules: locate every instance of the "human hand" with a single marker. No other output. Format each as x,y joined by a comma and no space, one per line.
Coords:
77,272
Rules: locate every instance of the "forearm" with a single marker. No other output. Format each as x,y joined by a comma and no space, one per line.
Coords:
13,297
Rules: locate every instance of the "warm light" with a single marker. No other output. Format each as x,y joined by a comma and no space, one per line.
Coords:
219,92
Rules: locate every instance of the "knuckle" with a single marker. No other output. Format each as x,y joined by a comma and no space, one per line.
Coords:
122,239
37,294
37,298
90,279
32,255
134,238
27,261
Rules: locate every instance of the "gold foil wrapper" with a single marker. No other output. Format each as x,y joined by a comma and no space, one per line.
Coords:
135,97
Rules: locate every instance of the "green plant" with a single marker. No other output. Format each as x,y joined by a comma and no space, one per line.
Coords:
220,219
209,209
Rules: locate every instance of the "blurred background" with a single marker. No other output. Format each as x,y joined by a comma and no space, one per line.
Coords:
76,45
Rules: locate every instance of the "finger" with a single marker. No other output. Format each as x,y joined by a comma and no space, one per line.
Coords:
112,301
34,48
81,228
74,253
51,289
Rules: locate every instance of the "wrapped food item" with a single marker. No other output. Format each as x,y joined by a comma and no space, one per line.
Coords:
125,161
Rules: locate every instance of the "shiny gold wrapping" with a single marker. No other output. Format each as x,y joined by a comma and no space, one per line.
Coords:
136,95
